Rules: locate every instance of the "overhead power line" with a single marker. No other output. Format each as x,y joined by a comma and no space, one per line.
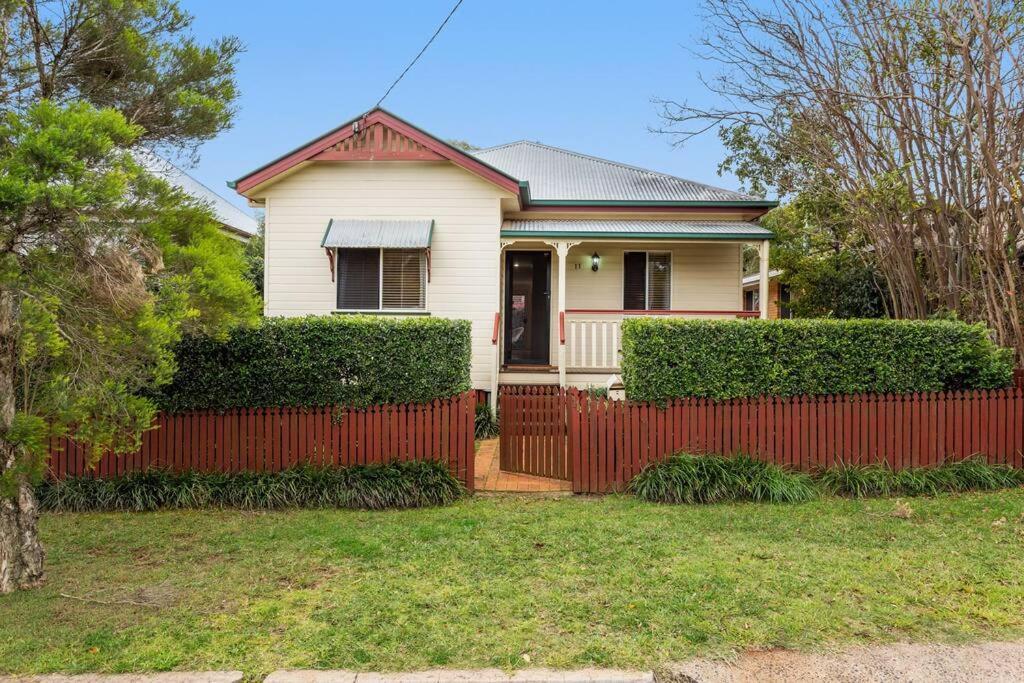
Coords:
416,58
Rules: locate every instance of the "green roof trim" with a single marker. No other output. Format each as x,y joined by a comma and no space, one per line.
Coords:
755,203
531,234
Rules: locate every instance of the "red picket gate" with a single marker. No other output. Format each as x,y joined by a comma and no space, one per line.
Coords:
273,439
534,436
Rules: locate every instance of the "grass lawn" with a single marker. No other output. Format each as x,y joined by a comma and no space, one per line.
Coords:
491,581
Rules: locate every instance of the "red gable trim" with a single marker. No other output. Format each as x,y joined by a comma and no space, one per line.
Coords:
377,116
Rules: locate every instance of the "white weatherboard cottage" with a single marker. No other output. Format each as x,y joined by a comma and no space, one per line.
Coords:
544,250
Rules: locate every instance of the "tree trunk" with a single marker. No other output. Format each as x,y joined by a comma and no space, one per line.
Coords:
21,553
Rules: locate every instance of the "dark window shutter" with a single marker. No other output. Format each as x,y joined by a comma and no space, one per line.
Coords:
359,279
634,281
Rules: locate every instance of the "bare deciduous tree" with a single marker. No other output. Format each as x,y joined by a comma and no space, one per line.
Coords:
911,112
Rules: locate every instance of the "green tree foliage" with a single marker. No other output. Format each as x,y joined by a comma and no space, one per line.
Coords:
837,285
102,266
898,113
254,258
135,56
827,264
464,145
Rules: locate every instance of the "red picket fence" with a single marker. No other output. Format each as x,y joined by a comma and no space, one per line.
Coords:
609,442
272,439
601,444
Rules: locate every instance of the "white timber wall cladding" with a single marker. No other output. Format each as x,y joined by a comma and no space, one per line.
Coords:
464,250
705,275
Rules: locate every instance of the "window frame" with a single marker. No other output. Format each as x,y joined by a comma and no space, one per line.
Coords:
425,310
647,293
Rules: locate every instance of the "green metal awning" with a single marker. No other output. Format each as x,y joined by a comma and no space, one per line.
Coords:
378,234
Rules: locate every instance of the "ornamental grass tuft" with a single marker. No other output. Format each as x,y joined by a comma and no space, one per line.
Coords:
971,474
685,478
486,425
373,487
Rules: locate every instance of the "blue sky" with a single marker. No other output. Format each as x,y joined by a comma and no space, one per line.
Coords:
573,74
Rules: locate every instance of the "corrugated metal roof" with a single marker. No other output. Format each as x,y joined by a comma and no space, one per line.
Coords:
556,227
226,212
374,233
560,175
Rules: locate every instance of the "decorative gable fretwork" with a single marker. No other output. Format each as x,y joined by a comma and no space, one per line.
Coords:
377,142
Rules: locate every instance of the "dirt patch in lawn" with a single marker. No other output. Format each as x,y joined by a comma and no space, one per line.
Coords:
898,662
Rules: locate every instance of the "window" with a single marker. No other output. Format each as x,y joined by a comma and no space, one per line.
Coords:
784,298
750,300
647,281
381,279
403,279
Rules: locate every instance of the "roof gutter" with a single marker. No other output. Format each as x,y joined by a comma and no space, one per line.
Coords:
752,203
529,234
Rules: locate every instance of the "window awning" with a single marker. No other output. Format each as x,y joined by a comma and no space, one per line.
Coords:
378,234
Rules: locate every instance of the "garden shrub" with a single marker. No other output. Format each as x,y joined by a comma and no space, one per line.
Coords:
374,487
722,359
694,479
486,424
972,474
684,478
356,360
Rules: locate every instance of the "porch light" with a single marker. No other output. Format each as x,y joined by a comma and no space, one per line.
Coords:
595,262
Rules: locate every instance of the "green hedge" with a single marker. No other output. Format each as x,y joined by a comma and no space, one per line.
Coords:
670,358
371,487
354,360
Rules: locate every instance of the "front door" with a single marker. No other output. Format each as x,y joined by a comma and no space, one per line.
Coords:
527,307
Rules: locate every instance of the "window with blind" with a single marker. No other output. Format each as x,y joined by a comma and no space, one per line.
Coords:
381,279
403,279
647,281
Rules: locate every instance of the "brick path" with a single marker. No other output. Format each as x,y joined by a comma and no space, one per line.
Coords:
489,476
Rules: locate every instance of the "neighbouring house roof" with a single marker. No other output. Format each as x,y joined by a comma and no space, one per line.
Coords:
756,277
539,175
229,215
561,176
400,234
633,229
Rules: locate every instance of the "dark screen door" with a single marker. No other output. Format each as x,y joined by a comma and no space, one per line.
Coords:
527,307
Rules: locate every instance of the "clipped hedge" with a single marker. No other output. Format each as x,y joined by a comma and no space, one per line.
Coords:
357,360
722,359
373,487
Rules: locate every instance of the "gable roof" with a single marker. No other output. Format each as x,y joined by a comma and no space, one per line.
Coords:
409,142
229,215
560,176
540,175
